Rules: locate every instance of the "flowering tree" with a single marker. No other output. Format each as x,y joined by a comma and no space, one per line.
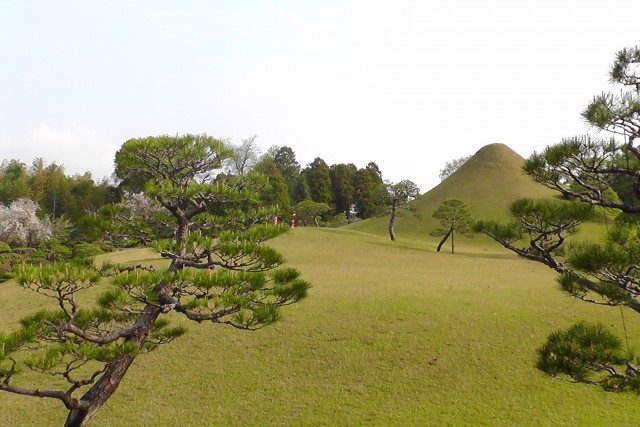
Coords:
19,225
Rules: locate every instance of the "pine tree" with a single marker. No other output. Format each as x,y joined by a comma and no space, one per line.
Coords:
398,197
588,171
220,271
454,217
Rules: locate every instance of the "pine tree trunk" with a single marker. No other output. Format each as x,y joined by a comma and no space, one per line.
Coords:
444,239
100,392
392,221
108,383
452,245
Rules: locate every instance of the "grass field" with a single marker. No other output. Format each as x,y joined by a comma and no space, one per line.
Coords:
392,334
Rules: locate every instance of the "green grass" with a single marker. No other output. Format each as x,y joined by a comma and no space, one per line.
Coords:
392,334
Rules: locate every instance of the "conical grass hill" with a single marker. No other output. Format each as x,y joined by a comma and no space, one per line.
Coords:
488,182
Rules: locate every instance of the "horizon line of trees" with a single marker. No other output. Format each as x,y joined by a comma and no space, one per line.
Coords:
346,191
41,201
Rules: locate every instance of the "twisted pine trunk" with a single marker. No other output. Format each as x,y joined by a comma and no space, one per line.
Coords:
444,239
108,383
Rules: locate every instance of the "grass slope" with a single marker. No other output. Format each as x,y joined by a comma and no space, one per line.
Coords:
488,182
392,334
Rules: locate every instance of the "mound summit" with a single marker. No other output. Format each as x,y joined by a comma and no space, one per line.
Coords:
488,182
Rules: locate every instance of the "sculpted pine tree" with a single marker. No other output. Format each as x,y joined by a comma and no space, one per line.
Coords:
600,172
220,271
454,217
399,197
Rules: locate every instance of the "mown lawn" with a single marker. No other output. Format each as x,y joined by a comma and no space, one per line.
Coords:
392,334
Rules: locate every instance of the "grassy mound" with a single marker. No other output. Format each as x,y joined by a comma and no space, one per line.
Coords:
488,182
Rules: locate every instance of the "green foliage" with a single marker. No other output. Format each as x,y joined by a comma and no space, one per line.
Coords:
546,224
277,192
308,212
50,279
339,220
53,250
588,353
398,197
508,232
8,260
300,191
115,299
86,250
454,217
453,214
580,287
607,108
545,214
14,181
285,160
174,163
369,191
65,204
319,180
342,186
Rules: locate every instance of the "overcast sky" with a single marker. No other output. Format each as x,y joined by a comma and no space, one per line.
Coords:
409,85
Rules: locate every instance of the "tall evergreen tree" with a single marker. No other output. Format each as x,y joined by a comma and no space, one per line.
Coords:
39,180
57,198
285,160
301,190
319,180
14,181
369,191
277,193
343,186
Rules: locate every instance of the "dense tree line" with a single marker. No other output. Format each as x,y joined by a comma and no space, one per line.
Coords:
47,215
57,194
43,203
351,193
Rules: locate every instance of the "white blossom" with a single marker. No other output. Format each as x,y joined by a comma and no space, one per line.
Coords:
19,224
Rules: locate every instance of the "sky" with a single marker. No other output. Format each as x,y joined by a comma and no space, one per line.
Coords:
409,85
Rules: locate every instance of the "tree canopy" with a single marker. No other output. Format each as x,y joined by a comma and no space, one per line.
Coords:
319,180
